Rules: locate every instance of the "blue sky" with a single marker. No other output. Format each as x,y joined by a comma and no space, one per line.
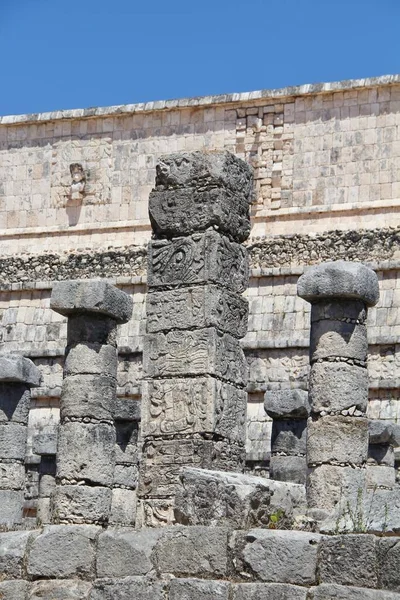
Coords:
58,54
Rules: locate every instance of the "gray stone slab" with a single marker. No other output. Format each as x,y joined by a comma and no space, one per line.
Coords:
123,507
129,588
11,502
339,310
289,437
91,359
193,353
18,369
270,591
126,552
348,560
13,590
127,409
88,396
337,440
328,485
91,328
277,556
330,339
72,297
162,461
15,400
218,498
380,476
380,431
126,476
13,546
388,552
63,551
13,441
193,405
338,386
288,468
335,592
200,258
192,551
287,403
197,307
198,589
12,476
81,504
86,452
60,589
45,442
339,279
195,191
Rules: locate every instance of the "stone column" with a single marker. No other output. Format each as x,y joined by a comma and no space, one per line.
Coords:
337,431
380,464
17,376
289,409
86,444
194,396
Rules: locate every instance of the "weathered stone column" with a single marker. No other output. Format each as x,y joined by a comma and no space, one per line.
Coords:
380,464
194,397
17,376
289,409
86,445
337,432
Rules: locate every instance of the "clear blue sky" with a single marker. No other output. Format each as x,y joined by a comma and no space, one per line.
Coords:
58,54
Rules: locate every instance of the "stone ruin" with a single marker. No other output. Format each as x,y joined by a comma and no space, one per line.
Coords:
170,514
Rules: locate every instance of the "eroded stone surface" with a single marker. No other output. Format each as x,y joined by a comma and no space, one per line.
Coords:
287,404
18,369
337,387
337,440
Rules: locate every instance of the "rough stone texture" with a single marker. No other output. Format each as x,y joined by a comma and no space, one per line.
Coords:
202,352
195,191
91,359
126,552
18,369
270,591
388,554
337,440
348,560
289,437
339,279
60,590
334,592
196,551
15,402
88,396
330,339
129,588
13,545
328,484
123,507
218,498
127,409
92,328
337,387
84,452
346,312
287,404
379,476
193,405
197,307
278,556
12,441
198,589
381,432
13,590
11,502
91,297
288,468
12,476
81,504
200,258
63,551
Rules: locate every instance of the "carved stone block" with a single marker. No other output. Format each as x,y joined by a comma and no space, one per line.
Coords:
123,507
201,258
327,485
288,468
91,359
13,441
289,437
337,440
197,307
330,339
163,459
198,405
188,353
337,386
11,502
12,476
197,190
287,404
86,452
81,504
88,396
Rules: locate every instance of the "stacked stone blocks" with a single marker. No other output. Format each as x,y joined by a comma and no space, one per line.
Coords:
194,397
337,433
87,438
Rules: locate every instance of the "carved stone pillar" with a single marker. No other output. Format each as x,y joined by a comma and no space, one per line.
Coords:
86,444
289,410
194,397
337,431
17,376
